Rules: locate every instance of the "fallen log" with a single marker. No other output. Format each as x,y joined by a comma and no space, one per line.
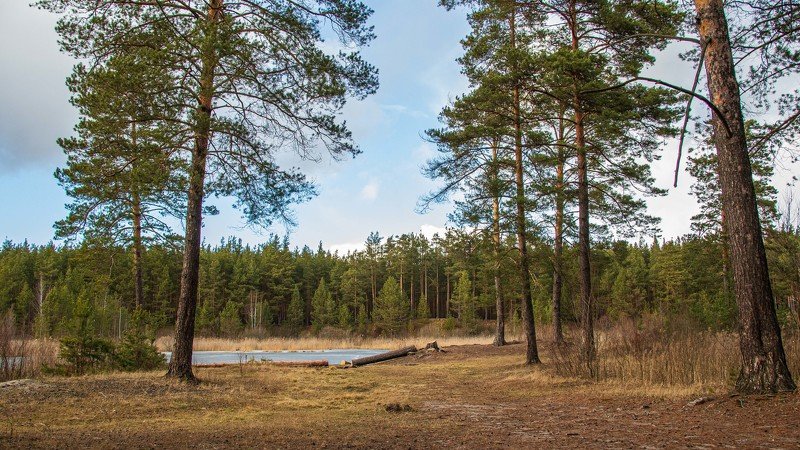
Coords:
312,363
384,356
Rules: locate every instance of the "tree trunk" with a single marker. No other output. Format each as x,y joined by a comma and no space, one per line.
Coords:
374,288
587,308
180,366
588,350
438,293
500,329
138,284
558,248
383,356
532,352
447,298
136,212
764,367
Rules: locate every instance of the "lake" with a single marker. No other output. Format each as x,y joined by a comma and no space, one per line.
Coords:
333,357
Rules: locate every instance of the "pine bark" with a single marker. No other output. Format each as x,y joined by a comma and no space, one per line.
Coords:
764,368
500,328
532,352
138,282
136,212
180,366
558,249
588,349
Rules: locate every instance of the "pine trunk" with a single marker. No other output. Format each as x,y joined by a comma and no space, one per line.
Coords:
588,350
587,317
500,329
138,284
529,326
180,366
558,250
764,367
136,212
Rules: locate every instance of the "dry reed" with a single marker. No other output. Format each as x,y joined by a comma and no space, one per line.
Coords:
321,343
650,352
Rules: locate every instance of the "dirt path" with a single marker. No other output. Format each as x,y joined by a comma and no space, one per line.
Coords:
468,397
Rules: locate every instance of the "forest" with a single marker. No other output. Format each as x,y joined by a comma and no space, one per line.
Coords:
551,265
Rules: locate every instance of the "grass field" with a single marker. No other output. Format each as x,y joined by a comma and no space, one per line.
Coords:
471,396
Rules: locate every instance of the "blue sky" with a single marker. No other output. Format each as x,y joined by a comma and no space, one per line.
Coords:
415,51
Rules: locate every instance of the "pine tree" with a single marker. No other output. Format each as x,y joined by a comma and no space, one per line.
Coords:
323,310
294,314
251,79
392,309
120,170
764,367
465,302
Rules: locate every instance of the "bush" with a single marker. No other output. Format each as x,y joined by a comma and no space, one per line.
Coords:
137,351
83,353
449,324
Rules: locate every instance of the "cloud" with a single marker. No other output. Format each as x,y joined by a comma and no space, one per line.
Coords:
346,247
406,111
444,80
429,230
370,190
36,109
424,152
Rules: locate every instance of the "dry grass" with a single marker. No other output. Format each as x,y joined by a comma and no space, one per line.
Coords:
320,343
21,357
649,353
468,397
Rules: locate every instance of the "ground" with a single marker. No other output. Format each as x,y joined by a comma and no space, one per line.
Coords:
469,397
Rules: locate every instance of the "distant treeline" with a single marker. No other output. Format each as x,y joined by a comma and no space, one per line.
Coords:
271,288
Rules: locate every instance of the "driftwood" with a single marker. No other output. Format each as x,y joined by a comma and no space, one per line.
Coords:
384,356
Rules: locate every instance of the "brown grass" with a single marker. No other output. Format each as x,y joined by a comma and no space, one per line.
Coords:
320,343
649,353
468,397
21,357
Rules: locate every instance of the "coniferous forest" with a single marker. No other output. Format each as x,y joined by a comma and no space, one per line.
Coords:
551,262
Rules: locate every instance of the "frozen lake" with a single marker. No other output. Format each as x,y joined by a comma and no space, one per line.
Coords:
332,356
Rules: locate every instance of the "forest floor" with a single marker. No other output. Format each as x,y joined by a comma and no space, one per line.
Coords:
474,396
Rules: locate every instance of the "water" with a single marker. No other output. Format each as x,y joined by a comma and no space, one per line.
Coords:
332,356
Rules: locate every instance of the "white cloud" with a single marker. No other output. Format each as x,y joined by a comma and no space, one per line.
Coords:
370,190
424,152
444,80
36,109
401,109
429,230
346,247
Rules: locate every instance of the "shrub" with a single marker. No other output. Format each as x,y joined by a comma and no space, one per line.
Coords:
83,354
449,324
137,351
229,319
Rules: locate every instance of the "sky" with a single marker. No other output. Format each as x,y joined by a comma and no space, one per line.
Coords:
415,51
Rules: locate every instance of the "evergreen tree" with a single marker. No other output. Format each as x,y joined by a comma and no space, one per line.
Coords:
764,367
121,171
250,78
392,309
323,307
465,302
294,315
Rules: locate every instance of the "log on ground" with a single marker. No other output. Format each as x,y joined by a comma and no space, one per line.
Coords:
384,356
312,363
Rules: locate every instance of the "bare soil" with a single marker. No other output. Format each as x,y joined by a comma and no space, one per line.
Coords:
468,397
